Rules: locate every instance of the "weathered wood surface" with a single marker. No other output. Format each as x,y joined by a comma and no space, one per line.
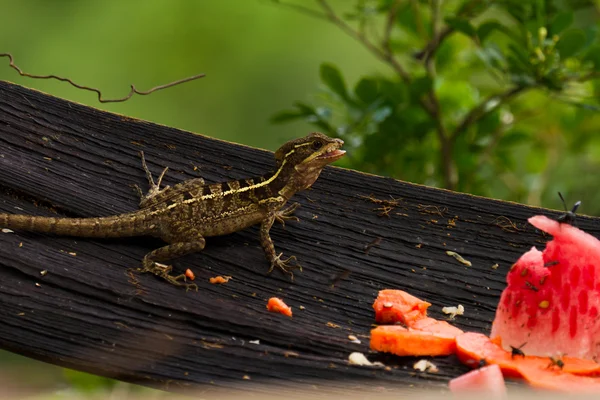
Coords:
57,156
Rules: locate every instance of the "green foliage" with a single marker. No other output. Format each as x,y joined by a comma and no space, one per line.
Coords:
489,97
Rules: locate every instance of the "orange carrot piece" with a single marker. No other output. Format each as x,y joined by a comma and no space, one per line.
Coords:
392,306
219,279
277,305
473,347
412,342
190,274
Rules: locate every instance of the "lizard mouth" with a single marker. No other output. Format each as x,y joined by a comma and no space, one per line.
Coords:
333,153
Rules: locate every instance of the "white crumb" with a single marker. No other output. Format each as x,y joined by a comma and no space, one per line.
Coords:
357,358
454,311
6,230
353,339
425,366
459,258
254,341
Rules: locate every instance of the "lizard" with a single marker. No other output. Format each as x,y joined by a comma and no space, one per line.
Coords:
183,215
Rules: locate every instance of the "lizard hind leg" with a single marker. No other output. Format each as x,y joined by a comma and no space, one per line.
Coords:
146,199
151,261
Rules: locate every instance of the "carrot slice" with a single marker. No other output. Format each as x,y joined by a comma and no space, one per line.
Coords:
392,306
219,279
412,342
473,347
277,305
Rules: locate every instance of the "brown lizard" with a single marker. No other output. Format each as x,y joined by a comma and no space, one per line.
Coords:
183,215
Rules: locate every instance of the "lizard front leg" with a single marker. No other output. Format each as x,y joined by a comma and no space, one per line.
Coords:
151,261
275,259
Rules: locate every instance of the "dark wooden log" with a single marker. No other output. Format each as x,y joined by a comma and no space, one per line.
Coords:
91,313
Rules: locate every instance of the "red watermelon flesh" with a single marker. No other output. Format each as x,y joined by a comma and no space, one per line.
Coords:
552,301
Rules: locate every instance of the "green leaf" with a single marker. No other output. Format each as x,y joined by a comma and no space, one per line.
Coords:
487,28
397,92
560,22
332,77
462,25
593,56
570,43
421,86
381,114
367,90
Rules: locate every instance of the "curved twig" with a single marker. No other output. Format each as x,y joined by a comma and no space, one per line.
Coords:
97,91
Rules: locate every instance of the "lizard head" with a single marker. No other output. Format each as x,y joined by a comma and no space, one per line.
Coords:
306,157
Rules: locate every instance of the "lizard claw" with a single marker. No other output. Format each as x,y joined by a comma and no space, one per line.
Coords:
283,264
164,271
283,215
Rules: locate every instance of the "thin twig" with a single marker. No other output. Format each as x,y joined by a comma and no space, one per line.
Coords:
97,91
389,25
484,108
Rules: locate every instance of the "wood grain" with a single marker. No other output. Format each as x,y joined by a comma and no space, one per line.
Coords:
65,158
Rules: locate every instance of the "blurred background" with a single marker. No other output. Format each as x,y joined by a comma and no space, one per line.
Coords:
495,98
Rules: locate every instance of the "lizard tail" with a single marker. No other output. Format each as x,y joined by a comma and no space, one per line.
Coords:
123,225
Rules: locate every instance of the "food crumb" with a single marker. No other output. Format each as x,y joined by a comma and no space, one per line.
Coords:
21,244
454,311
72,253
353,339
425,366
495,266
217,280
38,285
277,305
302,307
332,325
254,341
190,274
357,358
459,258
43,272
6,230
246,377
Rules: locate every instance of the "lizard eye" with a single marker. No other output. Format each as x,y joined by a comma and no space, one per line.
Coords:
316,145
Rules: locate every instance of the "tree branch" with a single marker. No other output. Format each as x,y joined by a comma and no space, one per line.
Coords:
482,109
383,55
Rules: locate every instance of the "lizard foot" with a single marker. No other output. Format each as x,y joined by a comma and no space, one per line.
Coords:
164,271
284,264
286,214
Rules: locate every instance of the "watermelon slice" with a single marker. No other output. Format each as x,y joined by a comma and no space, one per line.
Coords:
552,302
487,380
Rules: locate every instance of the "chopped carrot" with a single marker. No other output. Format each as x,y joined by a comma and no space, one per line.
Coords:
190,274
540,372
392,306
220,279
413,342
277,305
